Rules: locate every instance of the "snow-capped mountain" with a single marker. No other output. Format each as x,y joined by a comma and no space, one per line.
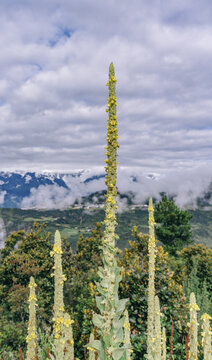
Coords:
16,187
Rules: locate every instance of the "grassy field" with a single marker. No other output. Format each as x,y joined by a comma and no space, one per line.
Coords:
72,222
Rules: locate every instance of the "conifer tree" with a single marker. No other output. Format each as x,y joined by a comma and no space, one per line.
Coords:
173,225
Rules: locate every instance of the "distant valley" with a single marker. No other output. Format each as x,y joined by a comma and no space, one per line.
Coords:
75,221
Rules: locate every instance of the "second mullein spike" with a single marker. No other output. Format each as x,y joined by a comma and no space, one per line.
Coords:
193,328
92,355
59,279
127,334
206,336
157,335
164,344
151,284
31,337
69,340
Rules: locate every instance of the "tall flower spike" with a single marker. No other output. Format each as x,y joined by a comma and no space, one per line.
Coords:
127,334
164,344
157,330
111,320
193,328
206,336
151,283
59,279
69,340
92,355
31,337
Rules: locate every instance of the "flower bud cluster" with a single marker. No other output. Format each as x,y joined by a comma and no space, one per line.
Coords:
111,153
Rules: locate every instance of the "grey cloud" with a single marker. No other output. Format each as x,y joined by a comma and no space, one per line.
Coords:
54,67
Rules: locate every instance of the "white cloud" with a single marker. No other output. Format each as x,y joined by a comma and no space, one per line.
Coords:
186,186
2,196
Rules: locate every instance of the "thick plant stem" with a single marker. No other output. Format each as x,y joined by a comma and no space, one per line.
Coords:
206,336
157,334
31,337
110,321
151,283
193,328
59,279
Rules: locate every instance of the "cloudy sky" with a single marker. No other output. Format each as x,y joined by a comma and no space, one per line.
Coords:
54,64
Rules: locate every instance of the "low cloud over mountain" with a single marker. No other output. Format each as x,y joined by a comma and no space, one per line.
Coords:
54,190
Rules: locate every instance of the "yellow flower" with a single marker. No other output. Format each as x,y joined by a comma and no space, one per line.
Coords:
206,316
194,307
32,297
57,249
90,348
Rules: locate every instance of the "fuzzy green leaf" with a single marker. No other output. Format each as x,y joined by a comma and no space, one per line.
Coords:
98,320
118,353
99,304
117,322
95,344
121,306
119,334
100,289
107,340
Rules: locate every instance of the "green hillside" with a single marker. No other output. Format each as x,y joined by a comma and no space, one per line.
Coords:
72,222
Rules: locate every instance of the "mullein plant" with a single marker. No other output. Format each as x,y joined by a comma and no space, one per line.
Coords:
127,334
92,354
69,340
151,285
193,328
157,330
61,321
206,336
164,344
31,337
110,322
